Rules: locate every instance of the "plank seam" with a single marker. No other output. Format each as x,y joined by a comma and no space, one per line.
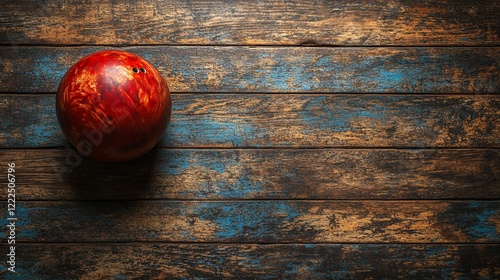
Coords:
298,45
317,148
256,243
255,200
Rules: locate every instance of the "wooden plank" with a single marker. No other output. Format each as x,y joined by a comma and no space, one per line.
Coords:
279,69
277,120
260,221
260,174
360,22
252,261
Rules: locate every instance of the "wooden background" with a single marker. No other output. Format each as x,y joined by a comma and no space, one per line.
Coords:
309,139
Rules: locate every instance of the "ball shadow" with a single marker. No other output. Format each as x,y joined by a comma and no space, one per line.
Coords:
108,196
95,180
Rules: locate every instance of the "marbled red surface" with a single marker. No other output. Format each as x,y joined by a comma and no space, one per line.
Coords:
113,105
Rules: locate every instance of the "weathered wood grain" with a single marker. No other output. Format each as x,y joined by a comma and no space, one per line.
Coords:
260,174
276,120
360,22
285,157
237,261
264,69
264,221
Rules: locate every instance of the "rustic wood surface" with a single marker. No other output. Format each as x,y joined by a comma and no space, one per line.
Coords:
274,22
268,221
259,261
247,69
208,174
309,140
281,120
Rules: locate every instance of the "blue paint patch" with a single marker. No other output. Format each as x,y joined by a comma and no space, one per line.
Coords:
242,184
326,114
252,221
39,131
190,75
446,272
435,251
483,228
19,274
46,73
410,71
24,229
280,75
474,219
219,36
153,235
147,54
244,187
39,128
403,76
120,276
250,261
209,130
224,176
324,63
389,78
440,253
292,174
218,166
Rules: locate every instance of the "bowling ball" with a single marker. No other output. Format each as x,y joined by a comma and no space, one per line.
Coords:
113,106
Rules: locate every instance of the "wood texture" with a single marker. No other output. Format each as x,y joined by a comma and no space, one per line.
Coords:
252,261
310,139
265,221
223,120
153,22
260,174
278,69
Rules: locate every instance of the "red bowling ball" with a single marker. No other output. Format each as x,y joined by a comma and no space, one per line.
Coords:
113,106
